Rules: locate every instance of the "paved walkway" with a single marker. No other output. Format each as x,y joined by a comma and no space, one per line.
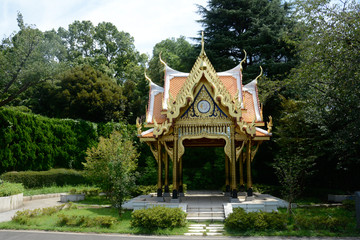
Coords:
39,203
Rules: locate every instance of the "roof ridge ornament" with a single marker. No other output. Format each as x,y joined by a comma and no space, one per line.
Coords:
261,73
244,60
147,78
162,61
202,44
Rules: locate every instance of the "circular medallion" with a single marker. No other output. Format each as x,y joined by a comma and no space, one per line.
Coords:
203,106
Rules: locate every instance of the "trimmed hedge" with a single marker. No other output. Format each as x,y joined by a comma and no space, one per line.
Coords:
243,221
34,142
37,179
158,217
8,189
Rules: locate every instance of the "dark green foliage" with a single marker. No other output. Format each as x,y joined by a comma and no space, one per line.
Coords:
321,222
242,221
34,179
258,26
33,142
158,217
84,93
8,189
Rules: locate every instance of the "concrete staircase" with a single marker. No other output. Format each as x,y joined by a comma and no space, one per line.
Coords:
205,230
205,213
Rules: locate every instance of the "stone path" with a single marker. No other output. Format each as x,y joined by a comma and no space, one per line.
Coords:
205,230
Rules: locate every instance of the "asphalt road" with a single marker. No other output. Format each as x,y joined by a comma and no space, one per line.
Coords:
42,235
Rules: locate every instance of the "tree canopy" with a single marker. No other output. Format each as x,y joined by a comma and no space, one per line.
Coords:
256,26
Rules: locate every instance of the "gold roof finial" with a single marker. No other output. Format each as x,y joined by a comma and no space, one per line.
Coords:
261,73
162,61
244,60
202,43
147,78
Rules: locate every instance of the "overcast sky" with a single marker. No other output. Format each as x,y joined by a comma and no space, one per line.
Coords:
148,21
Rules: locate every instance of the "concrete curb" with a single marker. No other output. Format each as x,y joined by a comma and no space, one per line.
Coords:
42,196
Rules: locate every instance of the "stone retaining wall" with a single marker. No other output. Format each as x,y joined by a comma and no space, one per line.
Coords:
11,202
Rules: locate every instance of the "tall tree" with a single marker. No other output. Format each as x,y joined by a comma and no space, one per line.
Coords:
328,80
84,93
27,58
256,26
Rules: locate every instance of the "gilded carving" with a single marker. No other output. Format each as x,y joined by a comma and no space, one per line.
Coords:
138,126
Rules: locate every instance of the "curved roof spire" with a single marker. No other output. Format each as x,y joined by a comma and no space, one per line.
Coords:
162,61
244,60
147,78
202,44
261,73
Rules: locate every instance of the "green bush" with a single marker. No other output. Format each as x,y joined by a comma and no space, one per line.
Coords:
8,189
349,204
76,221
321,223
23,217
158,217
242,221
36,179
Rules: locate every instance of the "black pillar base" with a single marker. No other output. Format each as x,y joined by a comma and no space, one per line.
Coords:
234,193
181,189
242,188
159,192
166,189
250,192
227,188
175,194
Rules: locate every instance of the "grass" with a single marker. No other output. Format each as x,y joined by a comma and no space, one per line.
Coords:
55,189
122,225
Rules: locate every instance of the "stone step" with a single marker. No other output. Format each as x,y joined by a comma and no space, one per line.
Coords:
194,234
206,214
202,219
213,234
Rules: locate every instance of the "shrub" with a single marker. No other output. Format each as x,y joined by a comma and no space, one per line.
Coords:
8,189
321,223
37,179
242,221
158,217
75,221
349,204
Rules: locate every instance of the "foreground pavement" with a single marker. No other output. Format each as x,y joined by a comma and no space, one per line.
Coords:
33,204
42,235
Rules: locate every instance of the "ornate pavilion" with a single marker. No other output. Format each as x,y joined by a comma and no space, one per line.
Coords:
209,109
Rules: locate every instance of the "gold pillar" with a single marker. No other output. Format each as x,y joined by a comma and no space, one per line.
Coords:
241,169
175,165
181,190
248,165
159,184
227,182
166,161
233,164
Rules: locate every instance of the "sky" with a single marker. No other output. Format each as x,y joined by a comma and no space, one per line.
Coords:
148,21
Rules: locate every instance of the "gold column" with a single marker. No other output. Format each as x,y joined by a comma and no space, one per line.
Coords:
159,184
241,170
233,164
175,165
248,165
166,160
181,190
227,182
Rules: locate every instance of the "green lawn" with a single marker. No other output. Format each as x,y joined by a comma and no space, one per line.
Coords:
122,225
